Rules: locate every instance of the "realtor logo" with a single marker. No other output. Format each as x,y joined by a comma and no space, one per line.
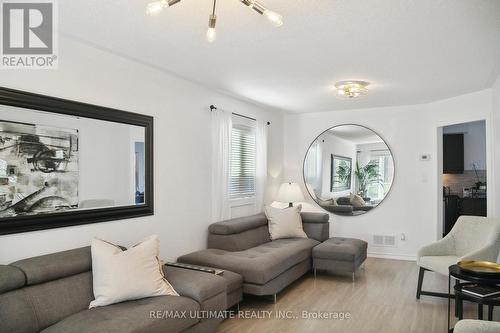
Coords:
28,34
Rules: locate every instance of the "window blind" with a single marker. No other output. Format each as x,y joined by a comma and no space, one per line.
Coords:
242,183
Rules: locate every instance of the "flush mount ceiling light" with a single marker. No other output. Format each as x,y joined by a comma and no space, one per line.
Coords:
276,19
351,89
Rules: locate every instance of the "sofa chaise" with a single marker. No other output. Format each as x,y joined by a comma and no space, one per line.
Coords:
243,245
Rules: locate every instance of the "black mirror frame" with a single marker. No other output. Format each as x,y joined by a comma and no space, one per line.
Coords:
348,124
32,101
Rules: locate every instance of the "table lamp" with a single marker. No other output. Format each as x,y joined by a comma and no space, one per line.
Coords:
290,192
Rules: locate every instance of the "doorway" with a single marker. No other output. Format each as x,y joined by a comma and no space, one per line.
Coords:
463,172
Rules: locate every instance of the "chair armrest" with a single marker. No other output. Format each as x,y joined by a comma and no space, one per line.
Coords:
487,253
476,326
442,247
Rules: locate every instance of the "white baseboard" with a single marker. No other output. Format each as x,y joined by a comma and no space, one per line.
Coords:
392,256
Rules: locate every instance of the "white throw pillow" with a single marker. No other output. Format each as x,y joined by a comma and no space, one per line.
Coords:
127,275
357,201
285,223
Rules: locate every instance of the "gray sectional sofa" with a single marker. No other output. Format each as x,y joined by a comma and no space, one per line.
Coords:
51,294
243,246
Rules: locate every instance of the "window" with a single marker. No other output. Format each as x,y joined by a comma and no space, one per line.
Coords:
378,190
242,183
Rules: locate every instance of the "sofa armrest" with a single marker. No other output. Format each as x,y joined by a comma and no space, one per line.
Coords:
476,326
442,247
196,285
486,253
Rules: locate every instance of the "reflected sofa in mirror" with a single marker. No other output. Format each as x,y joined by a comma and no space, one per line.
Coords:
65,163
348,170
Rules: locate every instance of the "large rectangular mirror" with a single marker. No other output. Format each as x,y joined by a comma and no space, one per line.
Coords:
66,163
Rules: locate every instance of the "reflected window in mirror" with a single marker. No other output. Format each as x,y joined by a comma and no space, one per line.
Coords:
348,170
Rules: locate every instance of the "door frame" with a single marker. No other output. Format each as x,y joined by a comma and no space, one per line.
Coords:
490,174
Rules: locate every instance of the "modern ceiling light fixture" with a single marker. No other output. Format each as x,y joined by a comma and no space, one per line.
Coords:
276,19
156,7
351,89
273,17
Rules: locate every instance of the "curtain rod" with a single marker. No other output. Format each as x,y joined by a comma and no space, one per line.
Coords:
213,107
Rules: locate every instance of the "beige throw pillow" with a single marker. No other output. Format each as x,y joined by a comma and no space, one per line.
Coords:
357,201
127,275
285,223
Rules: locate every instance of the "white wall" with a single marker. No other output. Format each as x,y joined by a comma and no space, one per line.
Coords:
332,144
182,147
474,143
412,204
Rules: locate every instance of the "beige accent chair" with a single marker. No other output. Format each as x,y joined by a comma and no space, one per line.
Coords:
472,238
476,326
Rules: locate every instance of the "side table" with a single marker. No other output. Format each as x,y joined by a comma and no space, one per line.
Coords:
490,280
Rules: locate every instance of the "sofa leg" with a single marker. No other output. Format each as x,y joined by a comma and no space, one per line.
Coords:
314,269
353,276
420,281
274,298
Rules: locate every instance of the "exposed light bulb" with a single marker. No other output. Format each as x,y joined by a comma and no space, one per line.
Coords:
211,33
155,7
273,17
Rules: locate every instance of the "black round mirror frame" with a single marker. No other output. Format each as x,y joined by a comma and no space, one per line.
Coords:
329,129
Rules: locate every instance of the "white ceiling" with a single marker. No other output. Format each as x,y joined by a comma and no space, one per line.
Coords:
356,134
413,51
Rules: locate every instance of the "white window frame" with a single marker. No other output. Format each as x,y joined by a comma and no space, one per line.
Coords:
248,200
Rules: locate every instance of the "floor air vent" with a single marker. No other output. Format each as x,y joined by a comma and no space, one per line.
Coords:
384,240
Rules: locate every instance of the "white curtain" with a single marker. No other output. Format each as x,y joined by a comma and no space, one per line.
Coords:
221,156
260,164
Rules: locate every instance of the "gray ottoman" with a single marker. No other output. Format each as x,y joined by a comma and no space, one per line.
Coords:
339,255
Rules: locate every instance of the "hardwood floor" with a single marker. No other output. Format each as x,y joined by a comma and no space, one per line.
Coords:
381,300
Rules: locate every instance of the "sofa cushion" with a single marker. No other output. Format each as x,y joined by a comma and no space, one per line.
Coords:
52,301
314,218
237,225
11,278
127,275
285,223
357,201
240,241
17,314
259,264
341,249
234,281
55,266
343,201
133,316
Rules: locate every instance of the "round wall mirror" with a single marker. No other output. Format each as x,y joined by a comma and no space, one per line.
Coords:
348,170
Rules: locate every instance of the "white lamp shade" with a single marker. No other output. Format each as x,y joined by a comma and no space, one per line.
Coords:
290,192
